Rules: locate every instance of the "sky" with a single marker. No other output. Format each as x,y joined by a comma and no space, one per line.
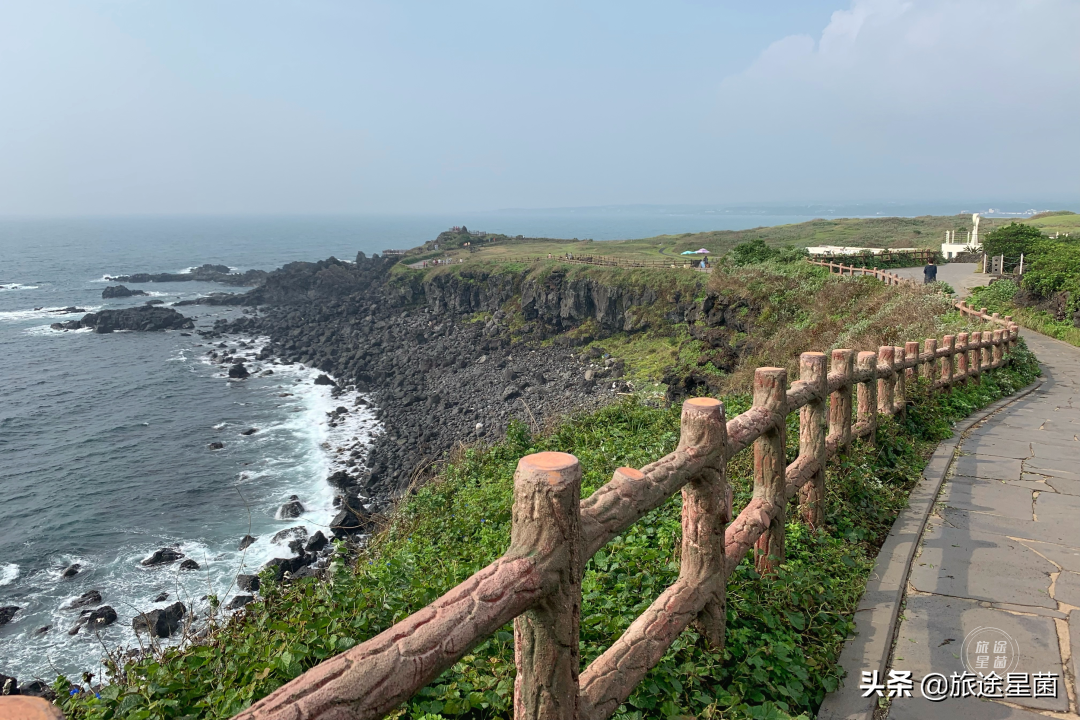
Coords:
328,106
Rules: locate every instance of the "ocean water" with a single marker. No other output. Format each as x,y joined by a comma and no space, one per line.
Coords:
104,438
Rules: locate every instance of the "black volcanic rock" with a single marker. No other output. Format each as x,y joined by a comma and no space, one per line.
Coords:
240,601
324,380
245,542
316,542
160,623
99,617
6,613
292,509
189,564
141,319
71,570
87,599
119,291
248,583
238,371
204,273
280,566
349,521
163,556
216,445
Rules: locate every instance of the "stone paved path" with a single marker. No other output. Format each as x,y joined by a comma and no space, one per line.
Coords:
1002,552
961,276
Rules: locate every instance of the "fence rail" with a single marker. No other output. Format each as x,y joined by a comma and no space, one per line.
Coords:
915,257
537,583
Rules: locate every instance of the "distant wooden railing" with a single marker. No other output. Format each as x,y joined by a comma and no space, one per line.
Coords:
537,583
890,278
915,257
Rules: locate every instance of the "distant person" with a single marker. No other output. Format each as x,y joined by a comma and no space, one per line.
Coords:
929,272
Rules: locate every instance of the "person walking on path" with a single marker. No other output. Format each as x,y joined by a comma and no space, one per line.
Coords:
929,272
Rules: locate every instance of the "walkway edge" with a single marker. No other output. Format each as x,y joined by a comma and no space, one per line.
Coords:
876,618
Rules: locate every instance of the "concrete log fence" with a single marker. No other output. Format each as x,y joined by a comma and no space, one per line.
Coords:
536,585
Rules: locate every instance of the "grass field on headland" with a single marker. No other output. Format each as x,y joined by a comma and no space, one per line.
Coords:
888,232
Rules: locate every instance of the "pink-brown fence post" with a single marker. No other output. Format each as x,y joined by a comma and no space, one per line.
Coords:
929,351
770,465
975,355
706,512
866,366
911,355
547,517
812,436
997,349
948,344
984,350
842,364
900,388
961,357
885,381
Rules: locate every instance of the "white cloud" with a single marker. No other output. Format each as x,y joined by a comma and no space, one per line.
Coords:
938,88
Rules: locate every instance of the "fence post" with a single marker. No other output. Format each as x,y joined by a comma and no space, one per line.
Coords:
770,465
948,343
929,347
866,363
975,355
885,384
842,363
911,354
962,357
547,518
997,349
812,436
984,352
900,388
706,512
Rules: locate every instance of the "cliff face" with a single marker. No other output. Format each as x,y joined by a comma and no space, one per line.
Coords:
555,299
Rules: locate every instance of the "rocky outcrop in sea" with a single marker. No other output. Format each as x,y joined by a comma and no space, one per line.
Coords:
142,319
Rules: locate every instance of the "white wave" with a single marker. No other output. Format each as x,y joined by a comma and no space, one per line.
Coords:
8,573
44,312
47,330
16,286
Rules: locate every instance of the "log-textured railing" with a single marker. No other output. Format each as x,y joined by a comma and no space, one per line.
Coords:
890,278
537,583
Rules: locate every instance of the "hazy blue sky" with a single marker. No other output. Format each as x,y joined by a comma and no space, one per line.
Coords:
325,106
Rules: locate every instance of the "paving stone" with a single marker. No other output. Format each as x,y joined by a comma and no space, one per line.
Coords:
990,496
1045,612
1067,588
1058,468
999,447
931,620
989,467
981,566
1057,508
1044,530
1064,556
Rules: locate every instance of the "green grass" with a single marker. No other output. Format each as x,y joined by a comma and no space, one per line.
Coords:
1061,221
784,635
999,298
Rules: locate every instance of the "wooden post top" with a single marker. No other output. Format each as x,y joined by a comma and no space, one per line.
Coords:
24,707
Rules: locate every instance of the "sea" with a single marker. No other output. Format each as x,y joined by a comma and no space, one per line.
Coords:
104,439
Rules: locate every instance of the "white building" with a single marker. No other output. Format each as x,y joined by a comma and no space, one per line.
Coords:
962,241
